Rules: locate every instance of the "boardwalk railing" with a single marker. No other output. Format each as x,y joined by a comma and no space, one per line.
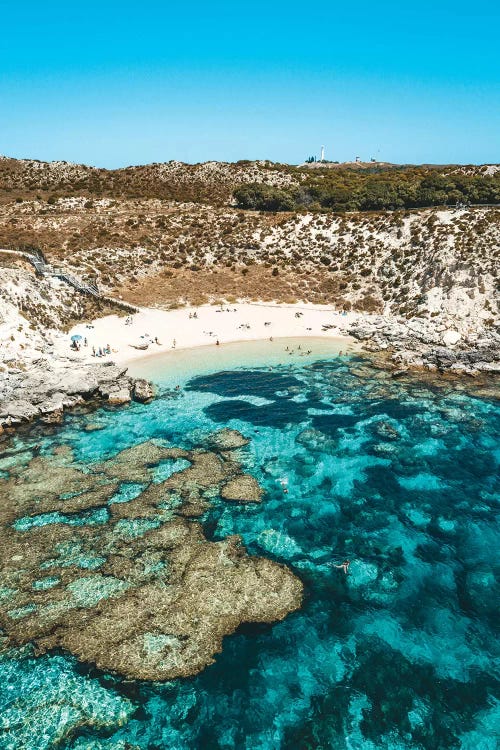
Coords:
44,269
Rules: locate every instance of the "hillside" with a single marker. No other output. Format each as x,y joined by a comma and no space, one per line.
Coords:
388,262
260,185
210,182
436,264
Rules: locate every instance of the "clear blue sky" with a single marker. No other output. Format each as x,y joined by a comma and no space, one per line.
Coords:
115,83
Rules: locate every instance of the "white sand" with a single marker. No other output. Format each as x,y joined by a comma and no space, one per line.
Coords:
237,322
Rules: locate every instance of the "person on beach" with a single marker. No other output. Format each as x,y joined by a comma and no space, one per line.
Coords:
344,566
173,344
217,342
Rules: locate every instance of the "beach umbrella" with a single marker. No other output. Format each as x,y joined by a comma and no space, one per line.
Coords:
76,337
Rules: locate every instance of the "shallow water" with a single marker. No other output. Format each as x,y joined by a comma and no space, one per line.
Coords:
401,477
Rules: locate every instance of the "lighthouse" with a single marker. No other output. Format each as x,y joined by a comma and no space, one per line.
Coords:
322,157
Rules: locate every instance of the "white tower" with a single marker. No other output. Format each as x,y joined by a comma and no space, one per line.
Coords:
322,158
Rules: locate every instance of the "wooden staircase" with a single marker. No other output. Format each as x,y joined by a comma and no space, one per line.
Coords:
44,269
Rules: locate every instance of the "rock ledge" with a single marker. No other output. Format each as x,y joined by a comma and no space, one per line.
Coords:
45,391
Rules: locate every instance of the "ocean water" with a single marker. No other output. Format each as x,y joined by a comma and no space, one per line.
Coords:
400,476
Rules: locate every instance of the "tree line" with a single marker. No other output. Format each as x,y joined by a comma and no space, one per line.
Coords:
345,190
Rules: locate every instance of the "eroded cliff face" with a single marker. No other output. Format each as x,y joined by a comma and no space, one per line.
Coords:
108,562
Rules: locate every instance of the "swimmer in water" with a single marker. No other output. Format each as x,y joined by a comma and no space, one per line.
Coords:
344,566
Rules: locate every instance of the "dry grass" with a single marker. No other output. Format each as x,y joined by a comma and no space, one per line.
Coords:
211,285
159,253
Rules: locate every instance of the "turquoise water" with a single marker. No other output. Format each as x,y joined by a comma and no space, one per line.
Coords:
399,476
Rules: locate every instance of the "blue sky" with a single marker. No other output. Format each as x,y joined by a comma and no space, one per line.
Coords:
113,84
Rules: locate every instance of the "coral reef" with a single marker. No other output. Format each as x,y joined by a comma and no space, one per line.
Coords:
105,561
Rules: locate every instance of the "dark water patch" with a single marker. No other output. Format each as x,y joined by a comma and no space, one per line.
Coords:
433,551
278,414
247,382
393,685
380,481
393,408
330,424
465,466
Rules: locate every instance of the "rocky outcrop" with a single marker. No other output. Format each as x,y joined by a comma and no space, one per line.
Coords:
227,440
143,391
423,344
44,391
242,489
134,587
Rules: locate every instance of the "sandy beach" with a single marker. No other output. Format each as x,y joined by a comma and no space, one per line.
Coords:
188,327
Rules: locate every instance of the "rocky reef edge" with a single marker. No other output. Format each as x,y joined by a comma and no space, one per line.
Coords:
44,391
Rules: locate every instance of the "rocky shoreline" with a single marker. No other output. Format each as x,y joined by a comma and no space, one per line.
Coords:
418,344
45,388
44,391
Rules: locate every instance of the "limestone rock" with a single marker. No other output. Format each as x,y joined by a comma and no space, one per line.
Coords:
243,489
54,416
450,337
142,592
386,430
84,383
19,411
143,391
227,440
120,397
44,392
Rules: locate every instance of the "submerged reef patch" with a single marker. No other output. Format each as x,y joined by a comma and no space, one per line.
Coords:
107,562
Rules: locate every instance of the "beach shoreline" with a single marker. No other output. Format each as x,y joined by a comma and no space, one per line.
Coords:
202,327
92,358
